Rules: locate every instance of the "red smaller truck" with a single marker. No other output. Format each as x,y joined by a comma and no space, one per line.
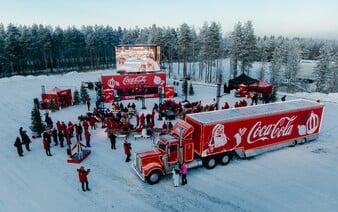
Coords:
213,137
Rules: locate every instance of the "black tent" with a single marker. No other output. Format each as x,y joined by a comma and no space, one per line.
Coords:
241,79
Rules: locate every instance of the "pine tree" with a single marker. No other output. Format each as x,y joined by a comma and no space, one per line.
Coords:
335,74
185,41
277,61
76,97
234,47
84,94
13,48
242,46
263,56
37,125
322,69
292,65
248,47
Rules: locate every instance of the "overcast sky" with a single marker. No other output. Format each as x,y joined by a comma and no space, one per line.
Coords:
302,18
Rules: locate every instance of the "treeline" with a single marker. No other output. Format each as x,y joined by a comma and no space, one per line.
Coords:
39,49
44,49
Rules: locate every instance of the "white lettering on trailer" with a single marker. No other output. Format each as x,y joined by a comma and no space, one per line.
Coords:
266,132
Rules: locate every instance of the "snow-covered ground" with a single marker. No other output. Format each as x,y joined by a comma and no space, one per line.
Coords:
302,178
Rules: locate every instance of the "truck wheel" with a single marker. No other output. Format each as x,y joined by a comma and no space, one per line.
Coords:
225,158
154,177
210,162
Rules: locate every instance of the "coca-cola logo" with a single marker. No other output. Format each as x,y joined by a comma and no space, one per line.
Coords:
134,80
112,83
260,132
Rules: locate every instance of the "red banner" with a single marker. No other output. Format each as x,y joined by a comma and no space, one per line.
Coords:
133,80
169,91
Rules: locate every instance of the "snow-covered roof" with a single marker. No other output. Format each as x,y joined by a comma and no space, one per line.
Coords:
251,111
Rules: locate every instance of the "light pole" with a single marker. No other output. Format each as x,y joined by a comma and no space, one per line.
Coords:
143,99
160,100
160,95
218,94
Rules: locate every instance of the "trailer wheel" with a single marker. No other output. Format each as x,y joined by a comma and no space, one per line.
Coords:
293,143
302,141
225,158
210,162
154,177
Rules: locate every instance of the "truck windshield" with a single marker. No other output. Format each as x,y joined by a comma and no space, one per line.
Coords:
161,146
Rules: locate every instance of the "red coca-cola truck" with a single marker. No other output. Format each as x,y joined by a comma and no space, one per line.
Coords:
209,138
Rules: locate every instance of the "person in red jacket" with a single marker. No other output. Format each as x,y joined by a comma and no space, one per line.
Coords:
127,148
137,119
46,146
142,119
63,128
58,126
92,121
83,178
87,136
71,128
85,125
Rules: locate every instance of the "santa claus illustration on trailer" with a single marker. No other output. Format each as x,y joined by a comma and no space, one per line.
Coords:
219,140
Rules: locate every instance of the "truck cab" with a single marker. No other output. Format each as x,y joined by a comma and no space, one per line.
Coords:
169,151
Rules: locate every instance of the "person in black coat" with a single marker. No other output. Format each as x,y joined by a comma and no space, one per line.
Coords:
47,135
55,136
26,140
48,121
18,146
21,132
112,138
61,138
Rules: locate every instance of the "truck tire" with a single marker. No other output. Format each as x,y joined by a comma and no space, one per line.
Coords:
210,162
154,177
225,158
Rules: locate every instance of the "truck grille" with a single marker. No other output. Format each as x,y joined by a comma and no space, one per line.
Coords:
137,166
137,162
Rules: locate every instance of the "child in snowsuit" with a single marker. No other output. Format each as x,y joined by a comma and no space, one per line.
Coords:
176,176
83,178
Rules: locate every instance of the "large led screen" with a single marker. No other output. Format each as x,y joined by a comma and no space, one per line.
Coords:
140,58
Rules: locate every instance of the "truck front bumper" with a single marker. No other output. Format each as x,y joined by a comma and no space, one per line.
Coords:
138,173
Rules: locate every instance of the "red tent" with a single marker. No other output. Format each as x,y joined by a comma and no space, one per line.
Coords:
59,97
261,87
